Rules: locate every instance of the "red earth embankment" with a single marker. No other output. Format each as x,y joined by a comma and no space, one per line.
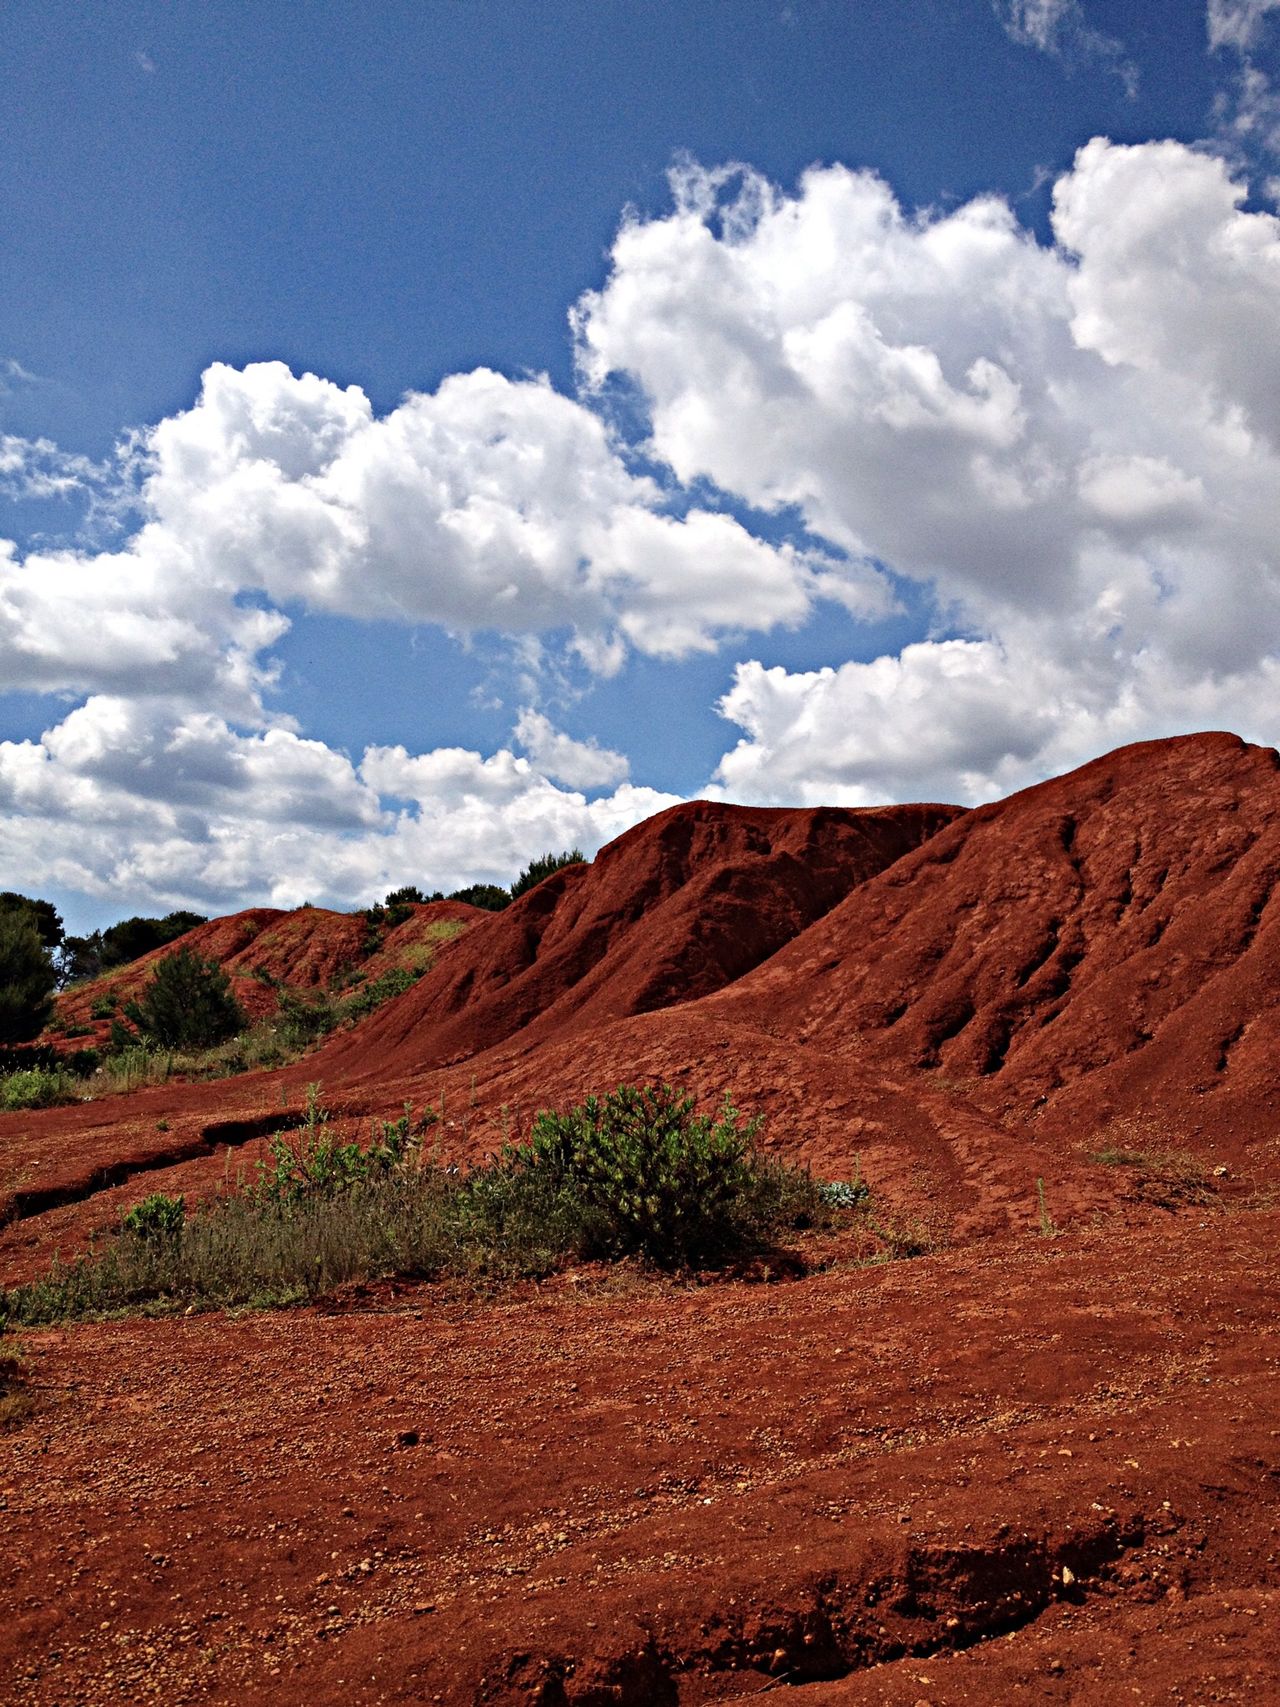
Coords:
1102,947
1044,1032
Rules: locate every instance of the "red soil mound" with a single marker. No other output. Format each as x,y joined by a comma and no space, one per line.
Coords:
672,910
264,949
1103,945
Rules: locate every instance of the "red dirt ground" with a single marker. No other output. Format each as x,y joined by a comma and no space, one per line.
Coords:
861,1485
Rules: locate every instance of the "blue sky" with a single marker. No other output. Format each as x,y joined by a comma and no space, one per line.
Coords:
897,448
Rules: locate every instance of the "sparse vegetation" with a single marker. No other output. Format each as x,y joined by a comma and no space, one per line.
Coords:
1048,1226
636,1173
15,1398
39,1087
1166,1179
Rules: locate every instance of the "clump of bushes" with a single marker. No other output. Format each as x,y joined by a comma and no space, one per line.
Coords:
637,1173
541,868
640,1172
157,1219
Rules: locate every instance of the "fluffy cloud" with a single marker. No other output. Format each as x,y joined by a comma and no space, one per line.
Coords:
1077,447
147,803
490,504
579,764
1072,448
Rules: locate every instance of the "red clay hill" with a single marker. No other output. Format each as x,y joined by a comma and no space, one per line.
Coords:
1045,1032
674,909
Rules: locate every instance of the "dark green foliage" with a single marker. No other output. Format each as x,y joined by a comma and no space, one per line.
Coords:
43,1057
79,959
491,896
43,915
156,1219
541,868
132,938
27,978
653,1178
188,1004
84,957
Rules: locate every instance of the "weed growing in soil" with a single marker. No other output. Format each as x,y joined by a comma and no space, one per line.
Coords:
602,1180
1048,1226
15,1400
1167,1179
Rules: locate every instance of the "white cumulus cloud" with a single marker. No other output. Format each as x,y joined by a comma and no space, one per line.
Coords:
1077,447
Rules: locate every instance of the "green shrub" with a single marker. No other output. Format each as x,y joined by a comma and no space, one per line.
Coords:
491,896
156,1219
301,1020
541,868
314,1163
393,982
102,1007
188,1003
37,1087
650,1177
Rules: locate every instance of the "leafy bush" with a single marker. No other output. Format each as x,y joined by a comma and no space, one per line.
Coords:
651,1177
36,1087
156,1219
188,1003
491,896
102,1007
541,868
27,977
314,1163
393,982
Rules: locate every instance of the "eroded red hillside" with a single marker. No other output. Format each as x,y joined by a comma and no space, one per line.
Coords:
1102,946
674,909
1054,1428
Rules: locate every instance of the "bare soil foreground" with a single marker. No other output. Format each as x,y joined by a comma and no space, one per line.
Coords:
1038,1462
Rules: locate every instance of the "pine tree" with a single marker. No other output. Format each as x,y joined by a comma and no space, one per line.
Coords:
188,1004
27,978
